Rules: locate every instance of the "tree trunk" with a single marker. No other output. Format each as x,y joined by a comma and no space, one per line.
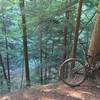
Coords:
46,67
65,56
66,28
4,73
41,66
2,64
8,67
65,42
75,35
21,3
94,48
7,55
45,75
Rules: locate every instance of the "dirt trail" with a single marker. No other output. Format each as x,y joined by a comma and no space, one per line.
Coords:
55,92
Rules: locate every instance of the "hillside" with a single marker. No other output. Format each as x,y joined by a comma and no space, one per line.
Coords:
55,92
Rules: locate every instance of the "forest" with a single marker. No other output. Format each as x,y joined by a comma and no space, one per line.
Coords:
37,36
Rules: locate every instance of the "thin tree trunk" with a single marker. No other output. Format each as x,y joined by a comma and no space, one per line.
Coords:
27,74
46,67
41,68
3,67
7,76
65,42
75,35
7,55
8,67
66,28
45,75
65,56
4,72
7,58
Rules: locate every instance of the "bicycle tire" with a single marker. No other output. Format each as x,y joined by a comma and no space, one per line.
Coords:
62,68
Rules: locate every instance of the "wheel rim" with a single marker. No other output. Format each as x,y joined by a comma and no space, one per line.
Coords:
73,72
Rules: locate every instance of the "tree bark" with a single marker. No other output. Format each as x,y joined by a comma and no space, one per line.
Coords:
94,48
8,67
7,55
66,28
46,67
65,33
65,42
3,67
26,62
75,35
41,62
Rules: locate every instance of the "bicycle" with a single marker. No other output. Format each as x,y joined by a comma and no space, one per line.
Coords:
74,72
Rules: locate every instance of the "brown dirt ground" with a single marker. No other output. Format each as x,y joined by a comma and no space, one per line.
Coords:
57,91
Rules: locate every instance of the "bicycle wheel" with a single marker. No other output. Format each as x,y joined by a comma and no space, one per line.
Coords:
72,72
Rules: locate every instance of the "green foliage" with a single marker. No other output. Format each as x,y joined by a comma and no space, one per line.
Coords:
46,17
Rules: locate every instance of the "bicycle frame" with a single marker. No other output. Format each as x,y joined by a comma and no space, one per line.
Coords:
87,57
90,67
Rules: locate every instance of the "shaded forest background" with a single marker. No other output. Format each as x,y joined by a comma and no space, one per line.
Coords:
49,27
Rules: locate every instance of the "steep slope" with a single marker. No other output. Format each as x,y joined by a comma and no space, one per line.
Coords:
55,92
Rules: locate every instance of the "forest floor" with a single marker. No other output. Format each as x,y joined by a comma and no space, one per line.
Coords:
57,91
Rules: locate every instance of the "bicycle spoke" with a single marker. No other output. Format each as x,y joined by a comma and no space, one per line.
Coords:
75,72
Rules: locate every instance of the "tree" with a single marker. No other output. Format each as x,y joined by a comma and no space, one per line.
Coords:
75,35
94,48
5,29
21,3
41,60
3,68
